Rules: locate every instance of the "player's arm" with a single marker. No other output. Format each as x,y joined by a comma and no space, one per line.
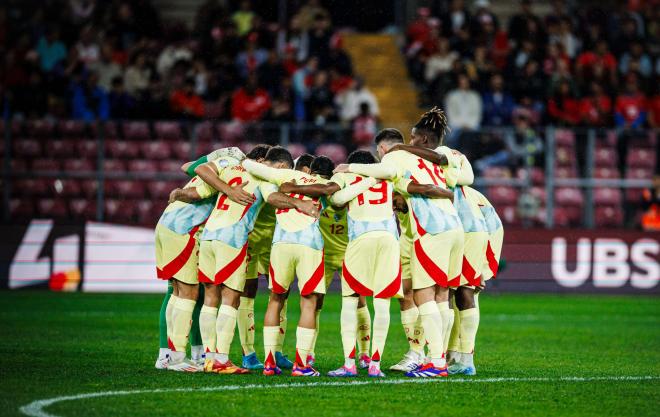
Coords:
382,170
209,173
233,152
259,170
424,153
431,191
310,190
342,197
187,195
280,200
465,175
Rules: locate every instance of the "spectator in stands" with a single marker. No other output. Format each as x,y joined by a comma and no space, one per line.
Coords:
630,107
518,23
184,103
530,81
569,42
89,101
250,103
271,73
170,55
338,59
243,17
480,68
106,68
319,39
530,109
497,104
137,76
320,106
635,59
457,19
654,110
563,108
596,107
302,80
308,12
153,103
365,126
249,60
51,50
440,62
87,47
464,111
588,59
350,100
122,105
283,98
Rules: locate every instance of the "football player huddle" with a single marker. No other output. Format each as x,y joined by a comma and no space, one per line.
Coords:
408,227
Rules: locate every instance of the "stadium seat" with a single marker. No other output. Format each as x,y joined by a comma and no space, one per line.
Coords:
66,188
18,165
607,173
29,148
565,138
605,157
20,208
204,148
569,197
82,208
607,197
126,189
40,128
15,128
54,209
565,172
539,193
608,216
162,189
565,157
154,150
71,128
502,195
119,210
142,165
645,140
205,131
89,188
143,212
33,187
641,158
60,148
496,173
508,214
170,165
231,132
114,165
136,130
537,175
296,149
168,131
181,150
46,164
333,151
78,165
87,148
122,149
110,129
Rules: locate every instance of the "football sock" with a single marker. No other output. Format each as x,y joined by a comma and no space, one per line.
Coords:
432,323
195,335
162,319
245,322
316,332
409,320
420,338
282,328
455,336
224,328
168,313
304,339
207,318
349,322
363,330
447,323
181,322
381,326
271,340
469,325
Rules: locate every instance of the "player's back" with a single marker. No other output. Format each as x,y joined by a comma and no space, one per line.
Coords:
334,229
467,205
493,221
182,217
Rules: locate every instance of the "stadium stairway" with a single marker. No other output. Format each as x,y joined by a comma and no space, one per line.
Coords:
377,58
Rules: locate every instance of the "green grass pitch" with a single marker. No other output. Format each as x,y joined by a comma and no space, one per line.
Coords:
528,349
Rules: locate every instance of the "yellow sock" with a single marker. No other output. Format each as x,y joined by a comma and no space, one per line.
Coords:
207,317
304,339
224,327
282,328
381,326
168,313
245,321
364,330
349,327
316,333
271,338
414,334
181,323
447,323
432,323
469,326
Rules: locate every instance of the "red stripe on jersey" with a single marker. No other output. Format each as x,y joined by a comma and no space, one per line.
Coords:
201,277
354,283
181,259
223,274
420,229
455,282
493,264
393,288
276,288
469,273
314,280
433,270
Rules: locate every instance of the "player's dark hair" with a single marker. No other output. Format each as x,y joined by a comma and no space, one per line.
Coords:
323,166
434,124
305,160
389,135
279,154
258,152
361,157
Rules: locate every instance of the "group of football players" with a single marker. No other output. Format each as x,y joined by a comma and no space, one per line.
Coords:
408,227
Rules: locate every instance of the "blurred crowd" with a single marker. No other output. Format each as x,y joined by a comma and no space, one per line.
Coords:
90,59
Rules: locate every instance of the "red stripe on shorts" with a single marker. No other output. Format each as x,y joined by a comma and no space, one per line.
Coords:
492,262
470,274
420,229
223,274
276,288
181,259
354,283
393,288
201,277
316,277
433,270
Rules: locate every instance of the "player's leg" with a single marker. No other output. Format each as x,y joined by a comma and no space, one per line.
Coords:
181,323
196,346
246,325
363,333
209,312
311,356
281,359
164,350
349,326
454,344
276,303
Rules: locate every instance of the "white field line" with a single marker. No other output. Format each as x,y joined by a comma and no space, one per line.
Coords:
36,408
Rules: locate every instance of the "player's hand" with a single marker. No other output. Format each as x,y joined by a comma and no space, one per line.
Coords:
341,168
288,187
239,195
308,207
174,195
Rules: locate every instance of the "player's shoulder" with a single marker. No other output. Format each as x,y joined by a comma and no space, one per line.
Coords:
394,156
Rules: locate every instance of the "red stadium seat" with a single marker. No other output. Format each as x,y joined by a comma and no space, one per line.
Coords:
569,197
43,164
87,148
539,193
55,209
168,131
136,130
607,173
605,157
143,212
565,157
72,128
607,197
122,149
537,175
231,132
18,165
15,128
641,158
27,147
509,214
110,129
42,128
565,172
114,165
565,138
60,148
121,211
333,151
33,187
503,195
21,208
296,149
496,173
169,165
181,150
205,131
125,189
78,165
89,188
81,208
155,150
608,216
142,165
66,188
162,189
